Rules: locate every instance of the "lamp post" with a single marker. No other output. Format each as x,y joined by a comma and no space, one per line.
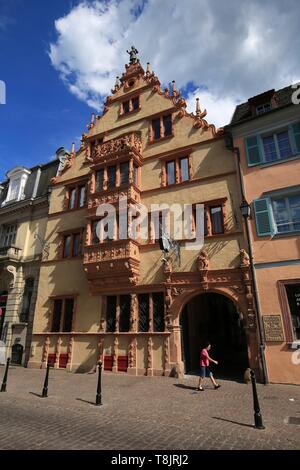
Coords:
258,422
45,388
4,383
99,394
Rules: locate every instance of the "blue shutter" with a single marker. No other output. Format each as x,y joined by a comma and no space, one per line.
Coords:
295,132
254,150
264,217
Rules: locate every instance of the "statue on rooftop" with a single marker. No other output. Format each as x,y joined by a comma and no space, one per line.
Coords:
133,55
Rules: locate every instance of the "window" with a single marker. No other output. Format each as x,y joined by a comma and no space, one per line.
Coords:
274,147
77,197
177,171
99,180
263,108
111,307
171,172
82,196
287,213
277,146
26,302
9,234
72,198
62,318
293,295
277,214
71,245
158,311
143,300
124,321
135,175
216,217
17,181
135,103
161,127
95,232
213,219
167,125
111,175
14,189
126,107
130,105
184,169
124,173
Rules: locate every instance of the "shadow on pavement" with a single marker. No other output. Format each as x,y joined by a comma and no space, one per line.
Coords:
185,386
86,401
234,422
36,394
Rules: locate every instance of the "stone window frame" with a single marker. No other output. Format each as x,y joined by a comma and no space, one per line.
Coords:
285,309
61,245
131,110
63,297
162,133
77,187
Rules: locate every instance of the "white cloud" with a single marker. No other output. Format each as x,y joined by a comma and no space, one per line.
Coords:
234,49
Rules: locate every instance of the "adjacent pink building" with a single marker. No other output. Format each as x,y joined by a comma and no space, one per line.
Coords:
266,140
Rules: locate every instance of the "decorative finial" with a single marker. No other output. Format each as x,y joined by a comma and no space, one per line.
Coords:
174,87
133,55
73,148
148,71
93,119
117,82
198,111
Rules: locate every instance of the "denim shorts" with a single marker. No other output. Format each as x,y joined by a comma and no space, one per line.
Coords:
205,371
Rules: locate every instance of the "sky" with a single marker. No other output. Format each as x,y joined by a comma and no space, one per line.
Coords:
60,58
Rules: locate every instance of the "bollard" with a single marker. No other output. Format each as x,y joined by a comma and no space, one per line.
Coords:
45,388
98,395
257,415
3,386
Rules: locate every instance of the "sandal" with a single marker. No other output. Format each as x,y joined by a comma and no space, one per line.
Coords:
217,386
200,389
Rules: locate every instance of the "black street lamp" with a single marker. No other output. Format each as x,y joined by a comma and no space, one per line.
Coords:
245,209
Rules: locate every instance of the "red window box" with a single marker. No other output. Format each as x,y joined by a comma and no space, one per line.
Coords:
108,362
122,363
63,360
51,359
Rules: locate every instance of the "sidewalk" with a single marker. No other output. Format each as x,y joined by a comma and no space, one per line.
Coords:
142,413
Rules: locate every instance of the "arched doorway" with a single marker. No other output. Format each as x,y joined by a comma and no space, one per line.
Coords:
214,317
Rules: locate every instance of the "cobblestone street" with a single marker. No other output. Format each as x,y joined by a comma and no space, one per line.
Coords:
142,413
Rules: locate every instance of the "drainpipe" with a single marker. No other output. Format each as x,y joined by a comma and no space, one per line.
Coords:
262,344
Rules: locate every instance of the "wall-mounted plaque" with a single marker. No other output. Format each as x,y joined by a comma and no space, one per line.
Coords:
273,328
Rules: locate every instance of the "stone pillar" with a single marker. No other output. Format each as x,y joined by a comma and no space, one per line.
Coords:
166,364
115,355
70,353
176,362
57,352
132,357
133,313
150,356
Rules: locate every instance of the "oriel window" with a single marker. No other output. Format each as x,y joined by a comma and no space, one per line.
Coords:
124,173
111,172
99,180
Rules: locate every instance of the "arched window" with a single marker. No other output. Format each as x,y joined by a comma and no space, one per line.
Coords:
24,316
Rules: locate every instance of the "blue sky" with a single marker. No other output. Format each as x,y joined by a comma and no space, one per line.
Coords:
59,59
40,114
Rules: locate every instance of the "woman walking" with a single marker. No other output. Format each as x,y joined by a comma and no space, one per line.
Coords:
205,359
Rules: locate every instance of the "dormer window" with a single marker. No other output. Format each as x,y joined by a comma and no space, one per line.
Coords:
263,108
17,182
